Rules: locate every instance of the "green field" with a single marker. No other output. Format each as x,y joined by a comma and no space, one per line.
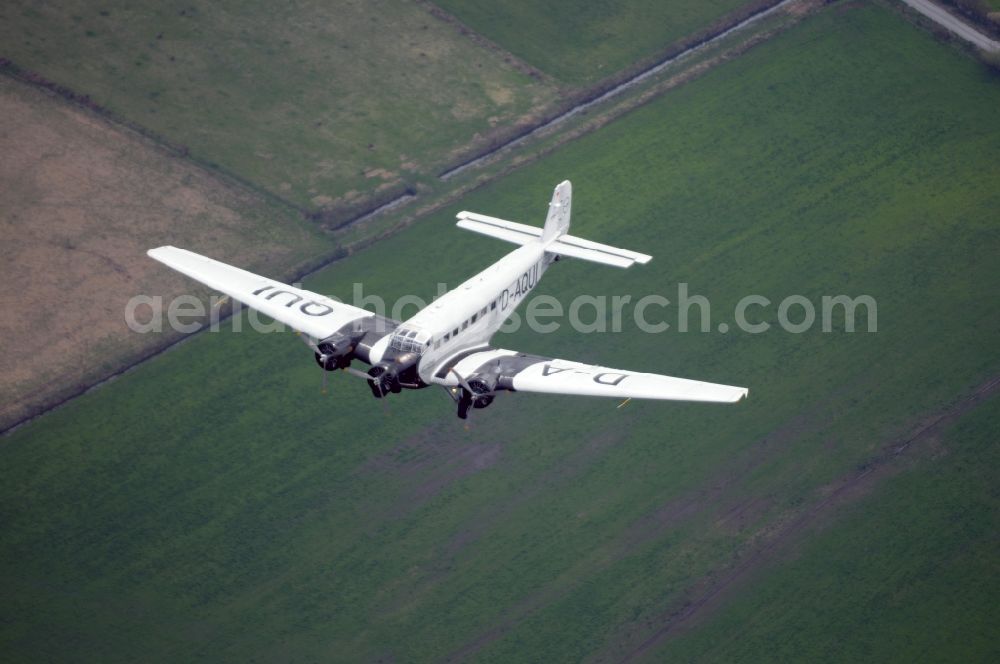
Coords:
315,101
582,43
910,574
212,505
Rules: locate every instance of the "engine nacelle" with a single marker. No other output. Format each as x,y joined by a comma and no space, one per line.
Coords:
391,375
335,352
482,391
477,392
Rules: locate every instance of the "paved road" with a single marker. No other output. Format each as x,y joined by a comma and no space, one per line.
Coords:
959,27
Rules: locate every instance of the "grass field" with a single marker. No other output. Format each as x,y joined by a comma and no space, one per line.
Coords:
213,505
582,43
910,574
82,201
318,101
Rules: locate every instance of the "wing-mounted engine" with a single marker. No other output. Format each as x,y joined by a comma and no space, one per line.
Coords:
351,341
335,352
395,370
474,379
477,391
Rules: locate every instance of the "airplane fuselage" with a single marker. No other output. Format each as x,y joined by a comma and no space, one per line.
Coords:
466,317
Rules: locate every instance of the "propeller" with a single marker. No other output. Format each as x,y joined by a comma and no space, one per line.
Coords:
465,399
377,378
470,397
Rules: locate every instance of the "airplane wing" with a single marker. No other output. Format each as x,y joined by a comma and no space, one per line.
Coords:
509,370
307,312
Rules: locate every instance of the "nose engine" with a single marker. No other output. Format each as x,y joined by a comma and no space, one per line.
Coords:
394,374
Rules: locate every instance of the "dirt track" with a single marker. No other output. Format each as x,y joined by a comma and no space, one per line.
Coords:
954,25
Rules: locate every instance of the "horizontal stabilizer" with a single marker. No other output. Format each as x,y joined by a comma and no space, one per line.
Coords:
595,252
509,231
590,255
580,243
561,244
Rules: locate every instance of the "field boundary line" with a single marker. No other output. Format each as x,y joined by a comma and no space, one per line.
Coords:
371,204
84,101
485,42
621,107
172,342
617,84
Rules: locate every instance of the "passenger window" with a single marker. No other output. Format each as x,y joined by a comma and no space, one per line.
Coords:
454,332
447,336
465,325
493,305
483,312
474,317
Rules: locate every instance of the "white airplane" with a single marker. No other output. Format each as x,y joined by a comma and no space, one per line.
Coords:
447,342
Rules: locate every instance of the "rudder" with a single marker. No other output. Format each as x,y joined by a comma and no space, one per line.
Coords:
560,207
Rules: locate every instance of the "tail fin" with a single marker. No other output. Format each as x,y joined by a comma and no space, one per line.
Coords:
554,235
557,221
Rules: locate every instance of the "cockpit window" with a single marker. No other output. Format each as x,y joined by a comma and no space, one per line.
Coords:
409,340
